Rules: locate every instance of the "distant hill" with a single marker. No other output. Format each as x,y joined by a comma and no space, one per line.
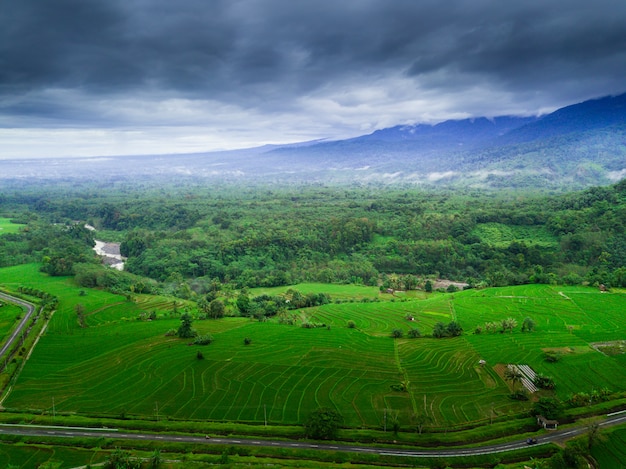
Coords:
574,147
451,133
582,117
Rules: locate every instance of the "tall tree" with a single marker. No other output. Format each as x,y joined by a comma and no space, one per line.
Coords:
528,325
513,375
216,309
323,424
185,330
509,324
439,330
454,329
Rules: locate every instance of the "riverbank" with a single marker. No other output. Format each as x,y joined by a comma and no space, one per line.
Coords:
110,253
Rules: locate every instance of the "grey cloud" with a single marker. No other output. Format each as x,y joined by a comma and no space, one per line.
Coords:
266,55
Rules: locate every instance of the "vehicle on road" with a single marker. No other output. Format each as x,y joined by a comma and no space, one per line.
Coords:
531,441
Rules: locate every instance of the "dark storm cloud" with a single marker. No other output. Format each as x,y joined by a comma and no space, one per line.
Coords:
60,59
213,45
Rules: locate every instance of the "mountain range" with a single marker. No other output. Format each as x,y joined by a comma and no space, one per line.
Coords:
574,147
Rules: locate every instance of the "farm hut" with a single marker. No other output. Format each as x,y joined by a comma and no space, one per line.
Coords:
547,423
482,362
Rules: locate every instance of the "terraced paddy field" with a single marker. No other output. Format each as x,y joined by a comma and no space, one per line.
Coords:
29,456
611,451
117,364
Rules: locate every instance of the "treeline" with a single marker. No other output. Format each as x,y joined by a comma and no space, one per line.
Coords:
261,236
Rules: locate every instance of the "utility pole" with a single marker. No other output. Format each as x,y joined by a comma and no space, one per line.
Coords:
156,404
53,409
265,414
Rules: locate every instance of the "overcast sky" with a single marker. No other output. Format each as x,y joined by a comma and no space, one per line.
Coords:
106,77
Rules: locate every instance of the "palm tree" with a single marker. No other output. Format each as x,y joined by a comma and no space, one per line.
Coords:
155,459
509,323
513,375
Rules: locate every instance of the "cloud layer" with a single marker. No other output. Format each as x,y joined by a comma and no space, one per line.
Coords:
143,76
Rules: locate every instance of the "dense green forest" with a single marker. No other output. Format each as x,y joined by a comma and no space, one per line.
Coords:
183,239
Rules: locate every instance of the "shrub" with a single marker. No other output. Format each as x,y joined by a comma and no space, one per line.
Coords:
396,334
544,382
247,341
528,325
579,399
519,395
351,324
414,333
454,329
203,339
552,357
312,325
439,330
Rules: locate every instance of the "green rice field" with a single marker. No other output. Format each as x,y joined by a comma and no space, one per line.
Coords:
7,227
611,451
121,365
29,456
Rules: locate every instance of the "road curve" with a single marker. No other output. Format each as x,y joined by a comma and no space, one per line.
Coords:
73,432
30,309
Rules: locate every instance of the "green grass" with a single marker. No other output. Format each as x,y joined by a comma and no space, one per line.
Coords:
7,227
120,365
501,235
8,318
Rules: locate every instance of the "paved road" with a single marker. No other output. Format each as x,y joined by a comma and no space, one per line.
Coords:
30,309
73,432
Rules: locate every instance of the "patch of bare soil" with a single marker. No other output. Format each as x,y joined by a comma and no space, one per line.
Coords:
442,283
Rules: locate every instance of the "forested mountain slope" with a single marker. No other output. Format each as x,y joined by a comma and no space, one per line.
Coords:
573,148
